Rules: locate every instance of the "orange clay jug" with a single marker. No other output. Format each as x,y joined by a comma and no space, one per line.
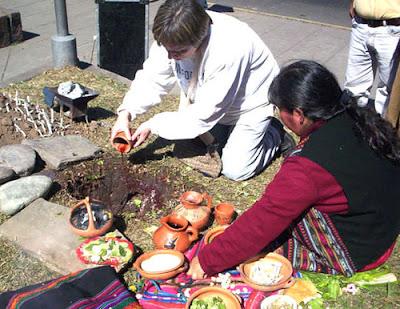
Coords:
196,208
175,233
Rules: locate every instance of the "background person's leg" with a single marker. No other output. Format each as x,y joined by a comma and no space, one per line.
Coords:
359,73
385,43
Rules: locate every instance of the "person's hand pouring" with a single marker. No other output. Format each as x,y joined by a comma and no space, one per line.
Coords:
122,125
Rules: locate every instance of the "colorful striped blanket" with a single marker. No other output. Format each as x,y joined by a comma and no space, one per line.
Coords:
174,293
96,288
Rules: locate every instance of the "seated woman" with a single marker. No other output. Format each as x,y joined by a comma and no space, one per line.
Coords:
332,207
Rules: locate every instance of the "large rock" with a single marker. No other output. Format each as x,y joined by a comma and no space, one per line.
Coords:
16,194
60,151
6,174
20,158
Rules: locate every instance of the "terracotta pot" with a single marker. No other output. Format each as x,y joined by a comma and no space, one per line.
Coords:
175,233
195,207
160,275
229,299
224,213
122,143
286,280
90,218
214,232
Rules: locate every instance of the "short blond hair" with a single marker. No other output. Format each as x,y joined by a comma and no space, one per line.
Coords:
181,22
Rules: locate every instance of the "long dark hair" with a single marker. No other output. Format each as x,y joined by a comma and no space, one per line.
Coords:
312,88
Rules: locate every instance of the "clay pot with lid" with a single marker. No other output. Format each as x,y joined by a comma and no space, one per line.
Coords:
195,207
90,218
174,233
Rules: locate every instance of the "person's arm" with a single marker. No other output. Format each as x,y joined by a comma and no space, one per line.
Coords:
290,193
213,99
352,11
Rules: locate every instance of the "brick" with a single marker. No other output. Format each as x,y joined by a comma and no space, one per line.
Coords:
16,27
10,27
5,33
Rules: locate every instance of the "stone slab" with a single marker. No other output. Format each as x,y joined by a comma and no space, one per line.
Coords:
60,151
41,229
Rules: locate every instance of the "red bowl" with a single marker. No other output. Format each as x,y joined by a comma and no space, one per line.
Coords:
111,261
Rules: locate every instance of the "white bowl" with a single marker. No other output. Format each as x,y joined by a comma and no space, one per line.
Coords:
278,299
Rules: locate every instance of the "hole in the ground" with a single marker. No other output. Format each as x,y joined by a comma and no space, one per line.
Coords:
124,188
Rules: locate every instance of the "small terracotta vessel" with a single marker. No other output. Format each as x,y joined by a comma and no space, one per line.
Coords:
161,275
286,280
90,218
223,213
122,143
214,232
174,233
230,300
195,207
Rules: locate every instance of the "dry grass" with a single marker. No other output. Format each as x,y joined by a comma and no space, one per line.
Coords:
18,269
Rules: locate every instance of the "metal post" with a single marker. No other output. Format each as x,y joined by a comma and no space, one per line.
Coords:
61,17
63,44
146,29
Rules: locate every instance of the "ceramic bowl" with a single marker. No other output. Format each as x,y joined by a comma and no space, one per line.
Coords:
230,300
161,274
279,301
286,272
214,232
100,222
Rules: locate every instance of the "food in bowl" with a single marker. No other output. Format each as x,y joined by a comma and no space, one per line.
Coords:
105,250
279,302
212,302
266,271
162,262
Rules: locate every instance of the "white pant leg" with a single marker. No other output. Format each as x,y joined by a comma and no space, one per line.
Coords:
359,74
370,44
385,43
251,146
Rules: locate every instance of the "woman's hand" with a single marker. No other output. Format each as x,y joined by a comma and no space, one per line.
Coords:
140,135
121,125
195,270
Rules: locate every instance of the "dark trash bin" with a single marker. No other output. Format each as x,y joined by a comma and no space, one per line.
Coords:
122,37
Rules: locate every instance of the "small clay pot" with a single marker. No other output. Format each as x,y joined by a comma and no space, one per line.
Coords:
229,299
162,275
174,233
90,218
122,143
224,213
286,272
214,232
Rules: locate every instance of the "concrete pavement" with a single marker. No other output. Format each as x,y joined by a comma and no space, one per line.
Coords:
288,38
